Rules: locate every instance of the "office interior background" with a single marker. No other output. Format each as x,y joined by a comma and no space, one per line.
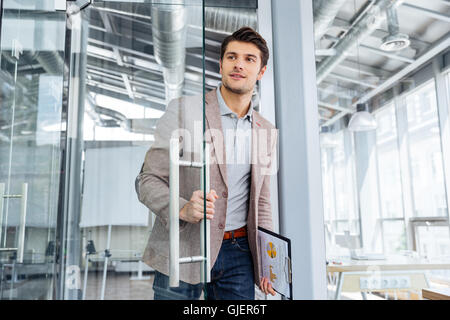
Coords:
83,84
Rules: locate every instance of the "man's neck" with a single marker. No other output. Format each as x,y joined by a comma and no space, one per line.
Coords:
238,103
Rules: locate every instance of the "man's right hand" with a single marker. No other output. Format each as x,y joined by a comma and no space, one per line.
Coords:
193,212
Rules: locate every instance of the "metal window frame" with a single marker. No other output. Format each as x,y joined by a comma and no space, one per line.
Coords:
427,222
442,87
387,105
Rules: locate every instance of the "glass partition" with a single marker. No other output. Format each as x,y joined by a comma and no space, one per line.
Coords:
31,144
142,147
103,139
425,149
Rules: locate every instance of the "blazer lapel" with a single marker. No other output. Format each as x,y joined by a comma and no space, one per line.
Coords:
214,121
255,164
258,153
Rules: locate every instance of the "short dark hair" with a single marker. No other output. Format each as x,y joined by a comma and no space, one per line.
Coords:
247,34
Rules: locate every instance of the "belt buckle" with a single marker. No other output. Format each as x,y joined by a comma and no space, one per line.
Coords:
233,239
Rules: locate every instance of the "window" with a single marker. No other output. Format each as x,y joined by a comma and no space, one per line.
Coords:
339,187
344,181
389,180
425,153
388,164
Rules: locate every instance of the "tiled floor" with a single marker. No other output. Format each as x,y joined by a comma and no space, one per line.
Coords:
118,286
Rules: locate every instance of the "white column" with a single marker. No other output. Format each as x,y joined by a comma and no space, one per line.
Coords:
267,94
300,189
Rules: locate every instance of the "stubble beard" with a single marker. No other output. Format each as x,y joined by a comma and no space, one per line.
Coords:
242,90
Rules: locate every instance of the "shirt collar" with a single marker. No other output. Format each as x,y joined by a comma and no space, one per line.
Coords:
225,110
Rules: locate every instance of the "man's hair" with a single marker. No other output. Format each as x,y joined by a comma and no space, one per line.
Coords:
247,34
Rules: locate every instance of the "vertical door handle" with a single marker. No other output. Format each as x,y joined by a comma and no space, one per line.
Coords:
174,213
2,195
174,216
23,217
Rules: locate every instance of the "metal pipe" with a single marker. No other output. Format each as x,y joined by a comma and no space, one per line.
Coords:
169,22
324,16
228,20
392,20
371,20
169,36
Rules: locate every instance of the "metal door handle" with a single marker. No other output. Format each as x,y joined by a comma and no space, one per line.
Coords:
2,195
23,217
22,222
174,216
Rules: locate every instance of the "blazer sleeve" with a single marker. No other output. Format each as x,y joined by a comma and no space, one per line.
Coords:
153,180
264,206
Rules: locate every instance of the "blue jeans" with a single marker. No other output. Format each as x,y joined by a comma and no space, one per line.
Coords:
231,277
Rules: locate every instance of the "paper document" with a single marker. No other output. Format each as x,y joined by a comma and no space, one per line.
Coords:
275,258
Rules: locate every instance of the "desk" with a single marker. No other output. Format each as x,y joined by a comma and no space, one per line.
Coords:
436,294
396,272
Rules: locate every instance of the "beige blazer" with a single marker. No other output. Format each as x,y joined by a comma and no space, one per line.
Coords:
153,182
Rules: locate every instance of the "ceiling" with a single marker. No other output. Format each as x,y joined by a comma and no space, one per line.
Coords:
122,64
365,70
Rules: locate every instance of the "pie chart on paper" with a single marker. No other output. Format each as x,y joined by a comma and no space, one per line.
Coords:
271,250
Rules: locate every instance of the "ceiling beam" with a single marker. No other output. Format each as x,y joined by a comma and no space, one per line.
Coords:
386,54
360,82
432,14
440,45
110,28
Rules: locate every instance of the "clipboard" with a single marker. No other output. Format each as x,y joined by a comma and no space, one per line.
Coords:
275,261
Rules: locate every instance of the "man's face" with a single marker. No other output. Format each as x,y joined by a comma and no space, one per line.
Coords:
241,67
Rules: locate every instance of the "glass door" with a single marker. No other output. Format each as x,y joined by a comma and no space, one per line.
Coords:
31,88
135,151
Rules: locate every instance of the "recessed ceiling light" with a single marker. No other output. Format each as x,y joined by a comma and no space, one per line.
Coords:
395,42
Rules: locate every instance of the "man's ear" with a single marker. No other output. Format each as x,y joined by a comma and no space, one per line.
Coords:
261,72
220,66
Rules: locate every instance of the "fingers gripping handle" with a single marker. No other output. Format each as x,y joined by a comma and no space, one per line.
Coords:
174,216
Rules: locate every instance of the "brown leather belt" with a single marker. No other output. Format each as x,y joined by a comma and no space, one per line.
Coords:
241,232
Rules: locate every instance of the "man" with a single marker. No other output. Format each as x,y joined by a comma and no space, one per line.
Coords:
241,163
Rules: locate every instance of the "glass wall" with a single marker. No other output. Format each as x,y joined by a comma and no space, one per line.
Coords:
385,180
141,57
413,217
389,179
339,187
89,99
425,152
31,146
135,68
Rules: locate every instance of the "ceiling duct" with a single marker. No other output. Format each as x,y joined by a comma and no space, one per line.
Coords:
395,40
169,24
324,16
371,20
169,40
228,20
52,62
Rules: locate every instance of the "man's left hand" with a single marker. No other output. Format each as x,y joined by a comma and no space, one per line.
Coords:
266,286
